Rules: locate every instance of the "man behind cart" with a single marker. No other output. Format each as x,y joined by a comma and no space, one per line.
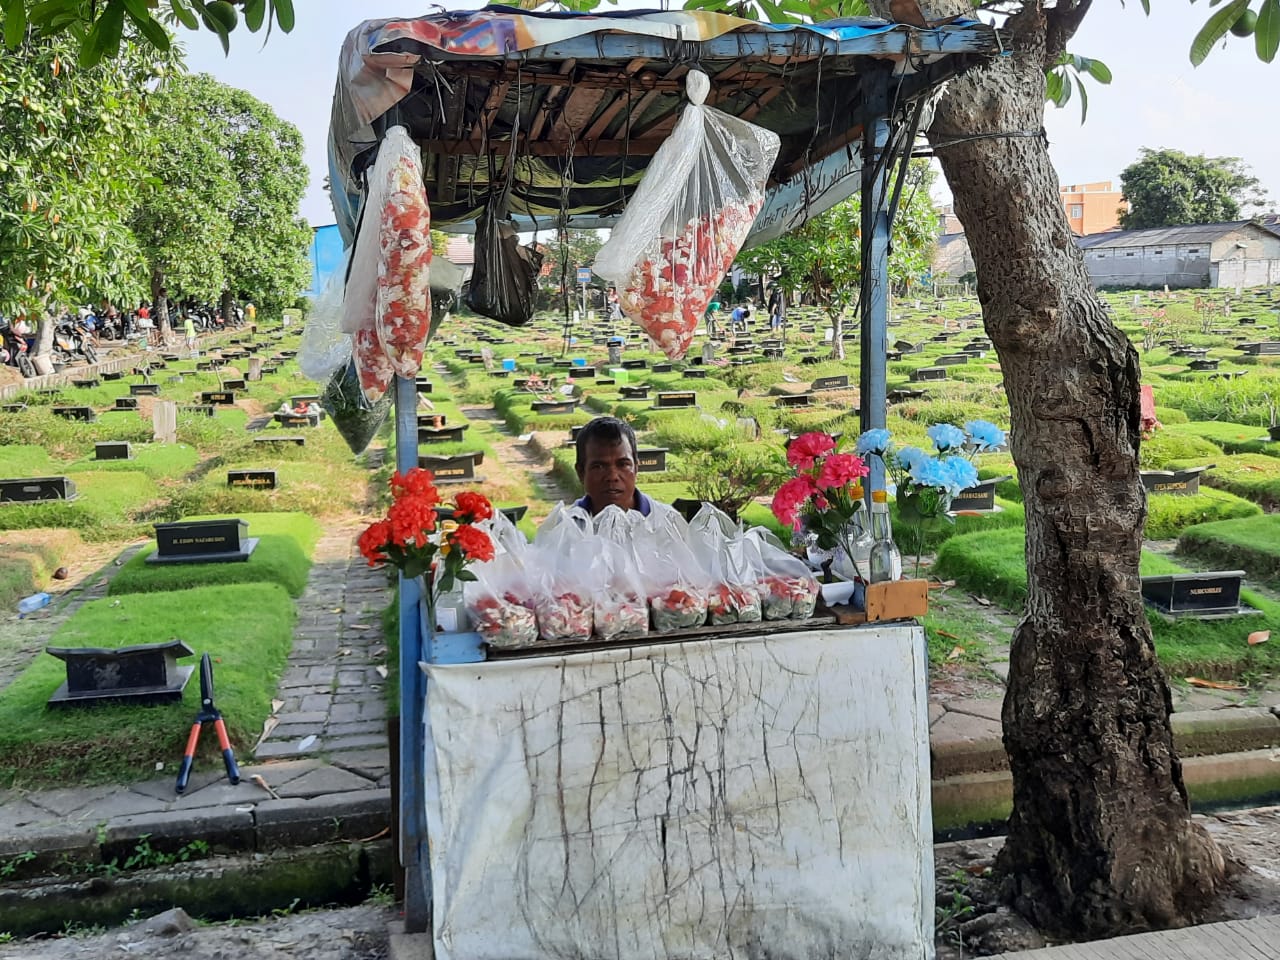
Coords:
607,461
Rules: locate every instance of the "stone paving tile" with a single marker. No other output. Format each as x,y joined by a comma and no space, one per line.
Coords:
323,781
986,709
65,801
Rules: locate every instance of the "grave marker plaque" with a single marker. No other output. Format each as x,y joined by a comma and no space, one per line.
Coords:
980,498
653,460
291,440
83,414
1194,594
142,674
676,398
423,385
1184,483
925,374
197,409
831,383
254,479
298,419
581,373
951,360
218,397
37,489
441,435
695,373
113,375
234,384
13,407
1203,366
113,450
634,364
224,540
543,407
144,389
605,381
450,469
640,392
85,384
795,400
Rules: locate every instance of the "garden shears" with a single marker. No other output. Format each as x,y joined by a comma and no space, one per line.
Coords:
208,714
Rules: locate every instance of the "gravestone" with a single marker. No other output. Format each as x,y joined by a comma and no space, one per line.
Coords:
903,394
459,468
795,400
297,419
583,373
1266,348
234,384
441,435
83,414
514,514
142,674
198,409
113,450
1183,483
13,407
980,498
840,382
218,397
225,540
640,392
893,355
253,479
255,369
37,489
144,389
926,374
544,407
661,368
85,384
653,460
164,421
695,373
676,398
1194,594
281,439
605,381
113,375
951,360
634,364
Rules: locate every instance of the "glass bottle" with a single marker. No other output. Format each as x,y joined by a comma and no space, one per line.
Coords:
885,561
853,555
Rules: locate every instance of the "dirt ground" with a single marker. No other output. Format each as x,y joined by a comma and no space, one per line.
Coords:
972,923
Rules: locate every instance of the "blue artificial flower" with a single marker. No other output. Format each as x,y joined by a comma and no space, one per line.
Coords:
946,437
908,457
873,442
959,474
929,472
984,435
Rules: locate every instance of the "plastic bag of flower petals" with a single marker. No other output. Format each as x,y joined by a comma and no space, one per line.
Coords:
788,591
687,220
719,546
567,576
675,583
506,536
620,607
500,603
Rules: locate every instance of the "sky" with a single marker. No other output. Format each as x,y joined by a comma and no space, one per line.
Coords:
1156,98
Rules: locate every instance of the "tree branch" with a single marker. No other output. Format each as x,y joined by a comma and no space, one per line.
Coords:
1063,22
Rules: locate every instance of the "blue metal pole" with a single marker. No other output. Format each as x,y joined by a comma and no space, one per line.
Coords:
413,698
873,387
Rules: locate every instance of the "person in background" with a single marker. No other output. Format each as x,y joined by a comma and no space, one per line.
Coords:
738,318
606,463
615,305
710,318
189,329
777,308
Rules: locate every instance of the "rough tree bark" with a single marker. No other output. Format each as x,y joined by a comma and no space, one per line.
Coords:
160,307
1100,840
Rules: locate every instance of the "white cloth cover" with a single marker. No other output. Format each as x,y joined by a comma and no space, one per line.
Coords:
709,799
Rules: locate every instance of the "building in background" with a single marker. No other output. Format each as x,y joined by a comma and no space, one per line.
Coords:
1092,207
1230,255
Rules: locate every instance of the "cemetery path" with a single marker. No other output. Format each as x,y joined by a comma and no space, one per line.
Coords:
89,574
516,454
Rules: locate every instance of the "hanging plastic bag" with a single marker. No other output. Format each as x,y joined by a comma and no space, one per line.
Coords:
788,591
504,277
687,220
357,420
718,545
446,291
325,347
500,603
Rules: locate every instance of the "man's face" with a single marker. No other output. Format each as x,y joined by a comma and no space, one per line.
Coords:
608,474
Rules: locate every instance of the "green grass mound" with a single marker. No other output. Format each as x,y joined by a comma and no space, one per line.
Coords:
106,502
1169,515
1250,475
247,629
27,460
28,559
992,565
1176,444
283,556
171,460
64,438
1230,437
1252,545
931,534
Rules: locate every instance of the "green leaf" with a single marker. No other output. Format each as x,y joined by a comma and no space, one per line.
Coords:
284,13
1099,71
467,576
1266,34
1215,29
184,15
1084,99
15,23
150,27
254,12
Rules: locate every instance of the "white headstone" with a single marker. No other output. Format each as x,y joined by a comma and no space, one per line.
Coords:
164,421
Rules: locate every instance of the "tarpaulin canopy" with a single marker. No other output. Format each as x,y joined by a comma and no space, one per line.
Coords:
578,103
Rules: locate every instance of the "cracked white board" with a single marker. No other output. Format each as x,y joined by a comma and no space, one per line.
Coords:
746,798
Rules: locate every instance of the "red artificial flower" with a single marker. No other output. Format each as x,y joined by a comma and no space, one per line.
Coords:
473,542
804,448
373,541
791,496
840,469
411,518
416,483
472,506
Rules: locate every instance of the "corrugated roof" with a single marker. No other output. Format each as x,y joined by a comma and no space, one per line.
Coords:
1195,233
461,250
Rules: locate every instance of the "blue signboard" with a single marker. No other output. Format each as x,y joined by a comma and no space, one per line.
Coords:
584,275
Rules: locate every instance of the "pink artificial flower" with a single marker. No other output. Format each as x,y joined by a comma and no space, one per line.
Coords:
791,496
840,469
804,448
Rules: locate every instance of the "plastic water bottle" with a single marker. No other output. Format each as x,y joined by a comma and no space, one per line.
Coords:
33,603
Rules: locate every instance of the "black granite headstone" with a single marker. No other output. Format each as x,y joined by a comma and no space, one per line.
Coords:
84,414
225,540
441,435
542,407
652,460
676,398
450,469
144,389
1183,483
113,450
37,489
924,374
1194,594
831,383
254,479
147,673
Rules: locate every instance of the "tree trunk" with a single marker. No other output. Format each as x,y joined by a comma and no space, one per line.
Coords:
160,306
1100,840
228,304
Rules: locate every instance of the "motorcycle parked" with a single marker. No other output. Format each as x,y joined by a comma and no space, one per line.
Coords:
13,351
72,341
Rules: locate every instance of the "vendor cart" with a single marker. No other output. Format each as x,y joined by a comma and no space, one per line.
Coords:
751,793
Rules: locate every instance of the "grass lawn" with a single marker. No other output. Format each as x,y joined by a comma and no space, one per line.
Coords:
1168,515
28,558
1251,475
283,556
115,744
992,565
105,504
1251,545
1231,437
153,459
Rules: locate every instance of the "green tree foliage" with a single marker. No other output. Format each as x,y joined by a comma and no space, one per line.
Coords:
576,248
1171,188
73,152
823,258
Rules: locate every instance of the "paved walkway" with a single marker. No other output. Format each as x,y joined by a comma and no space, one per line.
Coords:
1256,939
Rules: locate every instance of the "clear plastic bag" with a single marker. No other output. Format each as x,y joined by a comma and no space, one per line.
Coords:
674,581
717,543
687,220
620,608
325,347
788,591
566,577
506,536
357,420
500,602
